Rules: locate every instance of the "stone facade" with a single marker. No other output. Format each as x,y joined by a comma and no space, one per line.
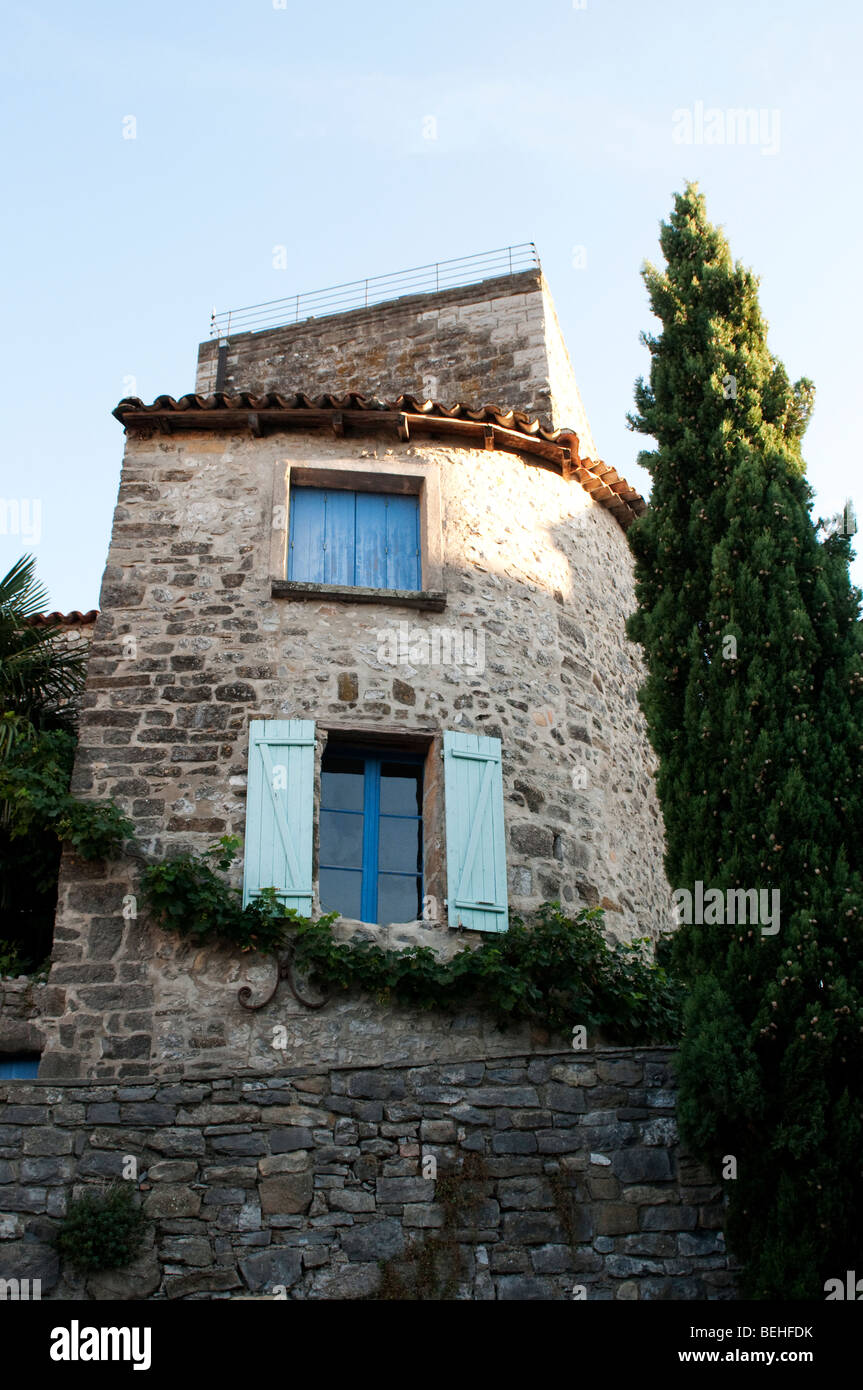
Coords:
567,1181
190,645
197,636
22,1003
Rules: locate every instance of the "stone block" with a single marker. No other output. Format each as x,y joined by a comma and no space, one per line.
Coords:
642,1165
671,1217
287,1193
377,1240
168,1200
614,1218
268,1269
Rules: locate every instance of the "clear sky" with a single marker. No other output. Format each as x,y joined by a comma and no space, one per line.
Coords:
260,123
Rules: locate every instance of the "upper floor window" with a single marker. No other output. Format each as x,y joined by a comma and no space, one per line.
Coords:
368,540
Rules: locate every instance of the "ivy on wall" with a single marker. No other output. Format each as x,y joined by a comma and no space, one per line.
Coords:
556,972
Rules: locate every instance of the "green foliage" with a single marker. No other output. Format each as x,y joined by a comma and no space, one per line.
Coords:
11,960
555,973
188,894
40,677
34,782
95,830
759,744
103,1230
37,813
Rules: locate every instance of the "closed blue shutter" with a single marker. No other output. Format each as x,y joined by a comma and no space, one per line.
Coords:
365,539
371,568
475,842
403,543
280,811
339,544
307,534
18,1068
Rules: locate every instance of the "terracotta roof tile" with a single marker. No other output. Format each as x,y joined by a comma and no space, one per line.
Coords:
56,619
512,429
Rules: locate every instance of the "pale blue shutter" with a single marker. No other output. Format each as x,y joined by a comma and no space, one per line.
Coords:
475,843
280,811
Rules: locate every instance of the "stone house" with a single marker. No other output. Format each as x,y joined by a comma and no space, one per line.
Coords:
375,627
380,637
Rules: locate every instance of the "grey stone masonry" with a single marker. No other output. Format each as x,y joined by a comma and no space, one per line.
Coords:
316,1183
22,1002
191,645
517,632
497,343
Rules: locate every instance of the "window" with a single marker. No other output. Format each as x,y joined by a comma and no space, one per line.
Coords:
371,835
368,540
378,806
18,1067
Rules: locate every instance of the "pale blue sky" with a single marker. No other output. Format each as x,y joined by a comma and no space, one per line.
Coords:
303,126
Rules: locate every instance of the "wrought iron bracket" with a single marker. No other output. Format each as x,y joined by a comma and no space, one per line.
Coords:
284,971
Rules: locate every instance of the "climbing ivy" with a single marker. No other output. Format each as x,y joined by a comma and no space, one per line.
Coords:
431,1268
554,972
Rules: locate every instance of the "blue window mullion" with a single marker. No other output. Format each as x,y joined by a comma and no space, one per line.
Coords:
371,808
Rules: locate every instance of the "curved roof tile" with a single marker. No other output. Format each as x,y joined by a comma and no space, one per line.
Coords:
57,619
513,429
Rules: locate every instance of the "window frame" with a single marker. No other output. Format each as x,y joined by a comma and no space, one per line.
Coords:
370,870
397,475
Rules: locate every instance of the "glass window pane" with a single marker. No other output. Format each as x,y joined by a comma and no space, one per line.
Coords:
341,839
398,899
401,785
341,891
342,784
399,845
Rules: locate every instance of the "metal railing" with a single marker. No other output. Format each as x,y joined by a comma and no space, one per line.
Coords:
377,289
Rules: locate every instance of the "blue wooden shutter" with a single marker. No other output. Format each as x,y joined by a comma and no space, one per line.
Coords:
339,542
307,533
369,539
403,543
280,811
18,1068
371,568
475,843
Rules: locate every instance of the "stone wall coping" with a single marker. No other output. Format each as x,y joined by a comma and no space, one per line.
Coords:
199,1078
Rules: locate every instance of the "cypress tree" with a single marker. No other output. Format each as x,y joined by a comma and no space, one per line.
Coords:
754,701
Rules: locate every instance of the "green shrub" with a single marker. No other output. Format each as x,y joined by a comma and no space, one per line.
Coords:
103,1230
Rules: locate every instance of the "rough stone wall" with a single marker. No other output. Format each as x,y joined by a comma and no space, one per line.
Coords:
190,645
298,1185
495,343
22,1003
